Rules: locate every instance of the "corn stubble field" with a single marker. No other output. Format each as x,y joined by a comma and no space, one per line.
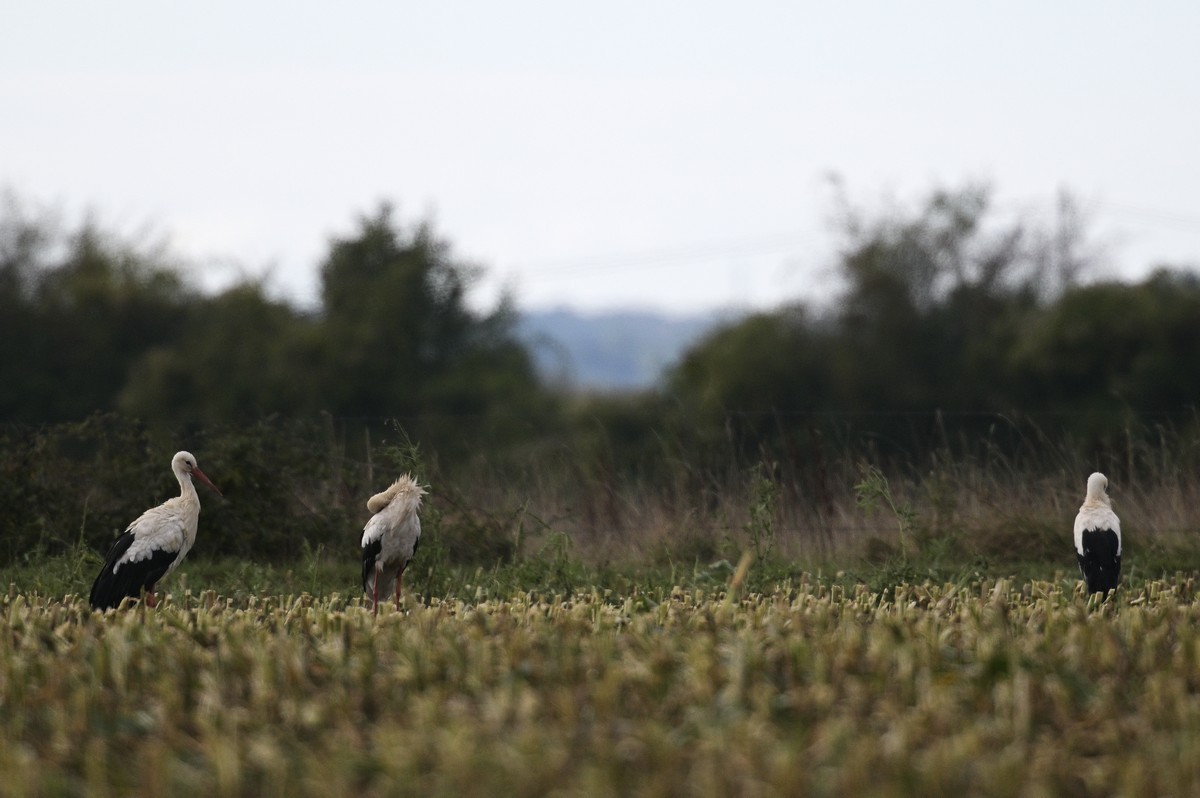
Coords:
992,688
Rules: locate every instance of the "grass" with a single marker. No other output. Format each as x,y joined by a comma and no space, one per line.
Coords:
571,514
555,567
752,632
815,685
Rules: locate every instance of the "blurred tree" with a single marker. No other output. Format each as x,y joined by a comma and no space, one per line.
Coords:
22,244
93,324
751,373
1107,349
240,357
934,302
400,341
79,310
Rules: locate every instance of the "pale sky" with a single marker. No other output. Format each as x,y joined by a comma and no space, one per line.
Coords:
659,155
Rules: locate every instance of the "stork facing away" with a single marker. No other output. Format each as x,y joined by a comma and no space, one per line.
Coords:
153,545
390,538
1098,538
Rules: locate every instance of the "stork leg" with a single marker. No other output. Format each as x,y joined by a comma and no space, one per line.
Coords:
151,601
399,578
375,594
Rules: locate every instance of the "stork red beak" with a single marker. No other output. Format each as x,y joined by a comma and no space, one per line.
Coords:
198,474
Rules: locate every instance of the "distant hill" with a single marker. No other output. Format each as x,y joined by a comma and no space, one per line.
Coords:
616,351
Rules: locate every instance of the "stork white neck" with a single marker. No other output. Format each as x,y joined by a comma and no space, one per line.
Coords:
182,464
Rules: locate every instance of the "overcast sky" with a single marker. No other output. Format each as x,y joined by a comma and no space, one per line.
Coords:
667,155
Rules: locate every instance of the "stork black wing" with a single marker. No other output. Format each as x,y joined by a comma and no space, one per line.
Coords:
130,578
370,554
1100,562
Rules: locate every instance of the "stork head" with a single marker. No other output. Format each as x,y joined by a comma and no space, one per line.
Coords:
405,485
184,464
1097,487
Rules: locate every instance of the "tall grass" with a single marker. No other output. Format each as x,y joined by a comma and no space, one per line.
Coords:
293,488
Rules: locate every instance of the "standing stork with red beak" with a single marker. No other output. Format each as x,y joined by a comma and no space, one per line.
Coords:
390,538
153,545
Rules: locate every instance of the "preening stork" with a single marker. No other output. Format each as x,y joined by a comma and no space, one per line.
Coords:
390,538
1098,538
153,545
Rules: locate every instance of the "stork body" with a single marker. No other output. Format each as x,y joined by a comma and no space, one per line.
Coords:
390,538
153,545
1098,538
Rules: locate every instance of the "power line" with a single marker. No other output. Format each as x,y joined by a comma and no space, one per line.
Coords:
658,258
771,243
1187,221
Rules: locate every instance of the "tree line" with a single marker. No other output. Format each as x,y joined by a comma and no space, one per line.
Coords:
952,321
952,331
942,309
95,324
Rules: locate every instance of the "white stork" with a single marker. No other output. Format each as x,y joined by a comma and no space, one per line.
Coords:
1098,538
153,545
390,538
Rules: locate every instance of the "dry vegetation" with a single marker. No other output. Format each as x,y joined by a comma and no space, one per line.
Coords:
986,688
571,630
292,490
934,522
